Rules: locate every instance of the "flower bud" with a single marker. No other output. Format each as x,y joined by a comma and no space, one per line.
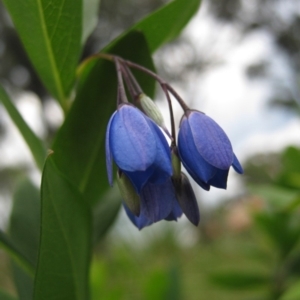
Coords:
186,198
151,110
130,197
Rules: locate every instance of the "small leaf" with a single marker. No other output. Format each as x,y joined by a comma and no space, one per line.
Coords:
64,255
24,230
51,34
35,145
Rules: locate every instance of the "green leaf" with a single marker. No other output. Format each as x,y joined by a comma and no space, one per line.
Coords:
16,254
238,280
34,143
51,34
166,23
24,231
293,293
105,212
90,17
64,255
79,145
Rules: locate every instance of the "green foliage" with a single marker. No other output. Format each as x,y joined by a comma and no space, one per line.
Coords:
52,230
36,146
277,229
64,250
105,213
15,254
24,230
51,34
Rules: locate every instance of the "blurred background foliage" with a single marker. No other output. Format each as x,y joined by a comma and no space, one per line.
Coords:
245,248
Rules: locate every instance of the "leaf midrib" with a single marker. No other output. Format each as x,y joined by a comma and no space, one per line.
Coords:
49,49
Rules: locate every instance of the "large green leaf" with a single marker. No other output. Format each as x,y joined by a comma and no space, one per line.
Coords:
79,145
64,255
51,33
36,146
24,231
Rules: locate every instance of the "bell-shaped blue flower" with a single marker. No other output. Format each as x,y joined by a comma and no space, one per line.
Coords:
205,150
141,152
158,201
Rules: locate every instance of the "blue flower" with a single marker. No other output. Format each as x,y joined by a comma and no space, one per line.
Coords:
140,150
205,150
158,201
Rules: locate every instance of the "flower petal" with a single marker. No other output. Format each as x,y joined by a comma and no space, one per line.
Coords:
157,200
163,154
139,178
210,140
175,213
109,166
140,222
220,179
204,185
236,165
190,156
132,141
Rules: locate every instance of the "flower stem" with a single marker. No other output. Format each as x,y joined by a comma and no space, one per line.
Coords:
117,59
134,82
129,84
122,98
173,131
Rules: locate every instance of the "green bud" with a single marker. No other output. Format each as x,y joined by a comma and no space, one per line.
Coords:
151,110
130,197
